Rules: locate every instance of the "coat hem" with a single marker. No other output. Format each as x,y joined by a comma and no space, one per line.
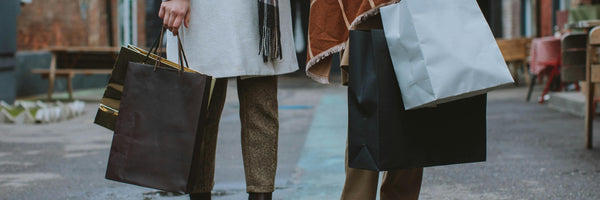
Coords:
249,74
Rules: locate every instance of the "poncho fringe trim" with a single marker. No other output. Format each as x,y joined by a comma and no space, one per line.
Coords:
337,48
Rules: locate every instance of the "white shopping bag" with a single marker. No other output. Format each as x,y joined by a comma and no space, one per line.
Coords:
442,50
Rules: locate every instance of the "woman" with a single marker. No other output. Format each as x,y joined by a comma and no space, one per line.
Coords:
249,41
329,28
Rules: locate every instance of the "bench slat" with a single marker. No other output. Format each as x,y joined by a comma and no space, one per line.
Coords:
75,71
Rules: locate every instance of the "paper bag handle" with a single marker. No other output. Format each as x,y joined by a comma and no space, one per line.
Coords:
154,47
157,47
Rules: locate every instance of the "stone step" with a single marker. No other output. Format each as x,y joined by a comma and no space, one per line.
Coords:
569,102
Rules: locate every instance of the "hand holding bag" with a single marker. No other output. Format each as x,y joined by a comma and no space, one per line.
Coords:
442,51
160,124
108,110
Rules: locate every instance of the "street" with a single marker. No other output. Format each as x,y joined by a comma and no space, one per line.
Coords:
533,153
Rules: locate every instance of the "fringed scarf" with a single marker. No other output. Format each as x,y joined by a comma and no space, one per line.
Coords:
270,35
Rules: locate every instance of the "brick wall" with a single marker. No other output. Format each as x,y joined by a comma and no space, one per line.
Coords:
62,23
511,18
546,15
46,23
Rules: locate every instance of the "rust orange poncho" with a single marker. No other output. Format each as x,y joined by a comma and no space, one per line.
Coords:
329,25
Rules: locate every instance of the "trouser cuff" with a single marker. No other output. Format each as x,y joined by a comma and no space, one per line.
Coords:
260,189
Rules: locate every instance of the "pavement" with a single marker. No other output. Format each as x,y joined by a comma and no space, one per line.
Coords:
533,153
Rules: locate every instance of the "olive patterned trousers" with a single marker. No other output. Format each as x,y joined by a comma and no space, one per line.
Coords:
260,130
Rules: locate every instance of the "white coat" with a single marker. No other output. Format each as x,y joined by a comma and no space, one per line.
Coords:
223,39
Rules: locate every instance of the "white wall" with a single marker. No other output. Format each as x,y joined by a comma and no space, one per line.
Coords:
511,18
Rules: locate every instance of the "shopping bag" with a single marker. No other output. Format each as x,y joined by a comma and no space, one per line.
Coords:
442,50
383,135
158,132
108,109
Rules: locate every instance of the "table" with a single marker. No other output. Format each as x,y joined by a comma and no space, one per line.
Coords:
545,58
545,52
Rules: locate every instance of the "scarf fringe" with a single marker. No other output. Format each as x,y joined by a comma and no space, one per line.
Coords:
270,35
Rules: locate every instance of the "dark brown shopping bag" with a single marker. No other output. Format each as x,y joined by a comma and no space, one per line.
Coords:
159,128
383,136
108,110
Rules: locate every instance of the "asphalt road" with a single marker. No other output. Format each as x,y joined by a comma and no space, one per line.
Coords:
533,153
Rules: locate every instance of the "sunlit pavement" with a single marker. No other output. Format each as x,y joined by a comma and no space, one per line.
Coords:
533,153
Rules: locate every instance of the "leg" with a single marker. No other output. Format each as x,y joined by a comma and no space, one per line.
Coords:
51,76
513,68
531,85
50,86
260,130
70,85
555,72
360,184
528,78
205,183
401,184
589,114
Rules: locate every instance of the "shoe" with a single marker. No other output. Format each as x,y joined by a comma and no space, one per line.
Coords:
260,196
200,196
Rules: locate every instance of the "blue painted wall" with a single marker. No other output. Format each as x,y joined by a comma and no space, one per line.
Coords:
8,46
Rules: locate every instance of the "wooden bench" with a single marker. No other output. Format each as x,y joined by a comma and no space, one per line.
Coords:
516,52
68,61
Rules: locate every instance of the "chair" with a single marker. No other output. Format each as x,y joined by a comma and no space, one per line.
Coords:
573,51
515,53
592,77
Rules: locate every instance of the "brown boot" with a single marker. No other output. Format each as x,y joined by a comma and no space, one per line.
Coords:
260,196
200,196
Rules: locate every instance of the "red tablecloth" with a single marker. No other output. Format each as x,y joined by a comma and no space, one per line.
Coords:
545,52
